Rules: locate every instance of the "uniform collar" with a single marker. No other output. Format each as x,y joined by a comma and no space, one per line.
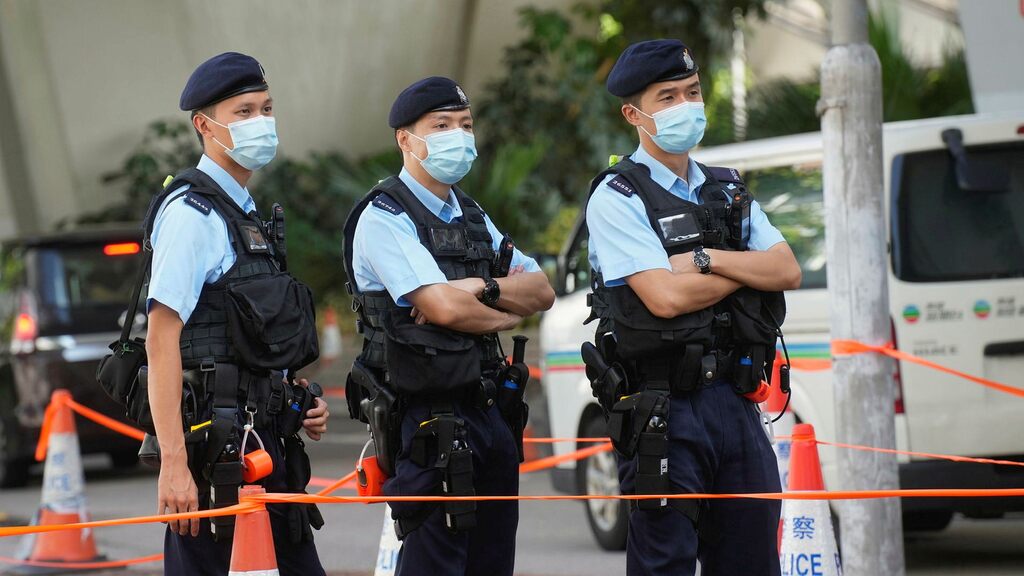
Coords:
668,179
446,211
239,195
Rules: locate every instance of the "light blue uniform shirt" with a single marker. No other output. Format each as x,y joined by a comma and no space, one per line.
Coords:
191,248
622,241
387,253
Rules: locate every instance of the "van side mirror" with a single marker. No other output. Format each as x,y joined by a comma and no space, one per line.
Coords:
973,175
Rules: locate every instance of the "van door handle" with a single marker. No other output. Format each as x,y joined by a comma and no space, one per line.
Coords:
1015,348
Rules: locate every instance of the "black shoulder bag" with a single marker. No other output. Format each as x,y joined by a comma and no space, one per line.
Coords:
118,372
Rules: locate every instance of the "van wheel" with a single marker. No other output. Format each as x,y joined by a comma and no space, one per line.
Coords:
599,475
927,520
13,469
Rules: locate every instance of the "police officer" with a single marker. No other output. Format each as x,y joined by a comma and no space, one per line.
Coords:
207,243
688,274
425,266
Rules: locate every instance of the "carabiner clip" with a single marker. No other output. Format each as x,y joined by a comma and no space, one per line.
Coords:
257,464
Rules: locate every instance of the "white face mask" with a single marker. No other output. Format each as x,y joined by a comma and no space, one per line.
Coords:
255,141
679,128
450,154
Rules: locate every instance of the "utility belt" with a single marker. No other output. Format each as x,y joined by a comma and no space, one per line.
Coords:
222,405
636,397
440,441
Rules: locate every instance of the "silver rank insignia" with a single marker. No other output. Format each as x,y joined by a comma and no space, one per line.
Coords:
687,60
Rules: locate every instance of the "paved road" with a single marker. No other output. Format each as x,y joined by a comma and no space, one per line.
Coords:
553,537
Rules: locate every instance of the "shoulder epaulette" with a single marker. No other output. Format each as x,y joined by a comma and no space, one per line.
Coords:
198,202
388,204
621,185
723,174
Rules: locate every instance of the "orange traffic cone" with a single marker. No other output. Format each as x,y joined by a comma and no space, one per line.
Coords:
63,499
330,338
252,551
808,541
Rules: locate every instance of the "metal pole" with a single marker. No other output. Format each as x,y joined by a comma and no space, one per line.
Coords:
851,124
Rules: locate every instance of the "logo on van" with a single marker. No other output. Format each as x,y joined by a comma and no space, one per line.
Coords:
911,313
982,309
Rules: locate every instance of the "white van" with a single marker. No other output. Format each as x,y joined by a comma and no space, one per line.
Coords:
956,289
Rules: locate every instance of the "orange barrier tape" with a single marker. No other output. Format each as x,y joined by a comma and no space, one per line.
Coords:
107,421
241,507
251,503
550,461
338,483
557,440
796,495
949,457
849,347
84,565
810,364
44,430
84,411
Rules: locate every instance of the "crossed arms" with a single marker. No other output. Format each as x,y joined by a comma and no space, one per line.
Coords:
684,289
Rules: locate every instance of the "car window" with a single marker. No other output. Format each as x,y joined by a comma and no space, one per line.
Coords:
577,263
84,288
943,233
791,196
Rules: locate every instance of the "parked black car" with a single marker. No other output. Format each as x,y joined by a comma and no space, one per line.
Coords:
63,299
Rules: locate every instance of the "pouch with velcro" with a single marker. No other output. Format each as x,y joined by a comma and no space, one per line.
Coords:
272,322
428,359
640,334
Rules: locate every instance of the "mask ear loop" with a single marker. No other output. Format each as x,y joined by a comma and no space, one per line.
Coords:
418,159
214,138
640,126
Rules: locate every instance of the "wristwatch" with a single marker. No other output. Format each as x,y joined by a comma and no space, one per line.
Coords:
702,260
491,293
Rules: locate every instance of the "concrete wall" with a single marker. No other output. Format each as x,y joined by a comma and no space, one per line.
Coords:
792,41
80,79
86,76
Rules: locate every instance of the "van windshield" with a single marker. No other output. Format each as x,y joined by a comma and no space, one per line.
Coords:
83,289
942,233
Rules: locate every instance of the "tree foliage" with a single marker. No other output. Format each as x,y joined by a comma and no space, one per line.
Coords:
546,126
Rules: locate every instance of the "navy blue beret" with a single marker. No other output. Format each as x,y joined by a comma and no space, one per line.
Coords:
427,95
221,77
645,63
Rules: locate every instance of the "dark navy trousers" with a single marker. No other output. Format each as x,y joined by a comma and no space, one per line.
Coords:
202,556
490,547
717,444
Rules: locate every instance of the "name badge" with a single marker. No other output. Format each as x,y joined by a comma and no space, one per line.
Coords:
253,239
448,241
679,229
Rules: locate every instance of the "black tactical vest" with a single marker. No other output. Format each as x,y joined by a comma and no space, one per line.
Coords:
721,221
426,358
206,336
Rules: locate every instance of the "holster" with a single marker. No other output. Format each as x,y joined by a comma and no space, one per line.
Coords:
440,443
222,468
297,474
652,455
630,416
372,402
514,409
608,380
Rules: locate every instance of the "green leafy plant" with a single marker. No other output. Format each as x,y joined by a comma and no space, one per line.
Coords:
167,146
909,89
